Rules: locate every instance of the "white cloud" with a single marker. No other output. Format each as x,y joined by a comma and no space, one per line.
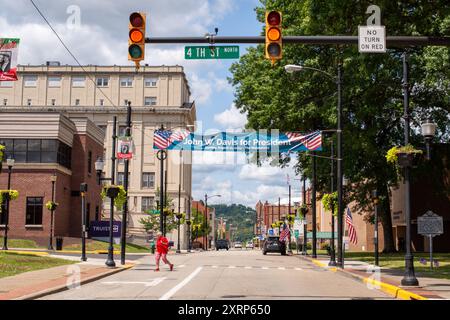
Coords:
231,118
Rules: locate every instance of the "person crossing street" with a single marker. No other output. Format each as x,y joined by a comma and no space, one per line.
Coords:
162,248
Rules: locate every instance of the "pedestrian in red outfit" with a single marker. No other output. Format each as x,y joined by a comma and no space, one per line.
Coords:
162,247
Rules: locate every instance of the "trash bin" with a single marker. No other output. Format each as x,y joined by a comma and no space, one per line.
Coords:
59,243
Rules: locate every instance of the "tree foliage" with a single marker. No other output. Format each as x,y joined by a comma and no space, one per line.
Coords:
372,89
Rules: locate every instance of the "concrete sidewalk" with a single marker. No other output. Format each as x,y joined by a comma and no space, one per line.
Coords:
389,280
34,284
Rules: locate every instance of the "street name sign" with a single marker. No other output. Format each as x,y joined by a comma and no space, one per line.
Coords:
430,224
371,39
211,52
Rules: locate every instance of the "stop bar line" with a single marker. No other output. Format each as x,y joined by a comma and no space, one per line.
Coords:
174,290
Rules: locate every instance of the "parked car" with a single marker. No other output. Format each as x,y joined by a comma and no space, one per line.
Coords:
249,245
222,244
273,244
238,245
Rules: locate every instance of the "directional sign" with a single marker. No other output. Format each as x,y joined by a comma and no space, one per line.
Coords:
430,224
211,52
371,39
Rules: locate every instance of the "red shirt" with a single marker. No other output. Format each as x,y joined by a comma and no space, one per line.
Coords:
162,245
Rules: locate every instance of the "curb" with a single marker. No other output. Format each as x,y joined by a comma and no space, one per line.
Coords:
390,289
29,253
62,288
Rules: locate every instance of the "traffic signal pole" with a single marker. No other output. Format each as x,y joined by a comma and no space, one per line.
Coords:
125,186
392,41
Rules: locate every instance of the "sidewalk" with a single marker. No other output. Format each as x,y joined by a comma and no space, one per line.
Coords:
389,280
35,284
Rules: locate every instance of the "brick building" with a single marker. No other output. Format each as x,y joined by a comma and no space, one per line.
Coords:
43,145
199,206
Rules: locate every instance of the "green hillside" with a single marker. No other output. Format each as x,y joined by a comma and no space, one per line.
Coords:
239,216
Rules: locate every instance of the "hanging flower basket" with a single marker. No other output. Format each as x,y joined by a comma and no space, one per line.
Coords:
180,215
115,192
2,156
188,222
8,194
51,205
303,210
406,156
329,201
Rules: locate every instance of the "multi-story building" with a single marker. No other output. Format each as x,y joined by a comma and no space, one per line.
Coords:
159,95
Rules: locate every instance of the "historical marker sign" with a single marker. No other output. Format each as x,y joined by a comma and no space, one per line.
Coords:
430,224
211,52
371,39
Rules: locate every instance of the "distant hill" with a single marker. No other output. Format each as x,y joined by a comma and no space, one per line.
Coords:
239,216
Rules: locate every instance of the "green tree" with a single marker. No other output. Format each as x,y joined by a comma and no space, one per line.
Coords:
151,221
372,97
198,224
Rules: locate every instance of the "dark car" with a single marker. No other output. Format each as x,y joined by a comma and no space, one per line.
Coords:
222,244
273,244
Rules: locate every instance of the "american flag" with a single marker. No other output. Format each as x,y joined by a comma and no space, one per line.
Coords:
311,141
162,139
351,229
285,233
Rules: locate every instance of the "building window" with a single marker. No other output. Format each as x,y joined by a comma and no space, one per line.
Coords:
150,101
147,203
6,84
53,102
148,180
102,102
30,81
126,82
77,102
151,82
89,161
34,211
122,131
28,102
120,178
78,82
102,82
5,101
103,127
54,82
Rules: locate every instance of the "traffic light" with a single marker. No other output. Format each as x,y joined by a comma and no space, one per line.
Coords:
274,37
136,37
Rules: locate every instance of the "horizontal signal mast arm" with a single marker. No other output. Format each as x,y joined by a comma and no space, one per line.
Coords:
399,41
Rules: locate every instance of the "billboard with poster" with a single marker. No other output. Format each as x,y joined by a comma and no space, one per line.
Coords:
9,49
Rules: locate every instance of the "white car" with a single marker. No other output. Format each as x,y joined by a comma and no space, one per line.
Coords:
249,245
238,245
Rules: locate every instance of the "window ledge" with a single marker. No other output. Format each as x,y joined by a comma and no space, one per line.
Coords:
33,226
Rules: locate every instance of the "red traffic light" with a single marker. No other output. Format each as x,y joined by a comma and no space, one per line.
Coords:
274,18
136,20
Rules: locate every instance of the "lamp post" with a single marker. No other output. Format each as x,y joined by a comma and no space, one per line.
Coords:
99,166
123,242
428,129
206,215
10,164
375,201
305,224
338,80
332,253
409,278
50,241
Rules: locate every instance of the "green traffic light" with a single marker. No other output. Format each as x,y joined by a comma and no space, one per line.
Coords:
135,51
274,49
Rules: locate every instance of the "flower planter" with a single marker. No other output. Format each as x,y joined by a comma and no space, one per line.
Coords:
112,192
179,216
303,211
188,222
408,159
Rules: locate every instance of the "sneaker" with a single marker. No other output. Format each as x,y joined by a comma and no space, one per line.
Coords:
171,267
156,269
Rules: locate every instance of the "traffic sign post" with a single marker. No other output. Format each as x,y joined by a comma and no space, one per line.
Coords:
371,39
211,52
430,225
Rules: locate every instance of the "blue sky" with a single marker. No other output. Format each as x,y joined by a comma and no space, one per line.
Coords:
96,32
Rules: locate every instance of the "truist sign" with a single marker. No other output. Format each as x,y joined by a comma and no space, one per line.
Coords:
100,230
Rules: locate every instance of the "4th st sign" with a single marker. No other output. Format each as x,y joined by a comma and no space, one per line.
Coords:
211,52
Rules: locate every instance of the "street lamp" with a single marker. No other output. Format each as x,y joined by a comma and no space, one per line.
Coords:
375,201
428,131
206,214
10,163
338,80
50,241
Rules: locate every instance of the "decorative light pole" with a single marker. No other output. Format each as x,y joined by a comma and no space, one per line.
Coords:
428,131
375,201
10,164
338,80
52,210
332,247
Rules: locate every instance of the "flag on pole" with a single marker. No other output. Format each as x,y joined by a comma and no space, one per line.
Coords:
351,229
285,234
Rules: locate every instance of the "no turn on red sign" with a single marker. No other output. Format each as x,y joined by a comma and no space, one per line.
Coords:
372,39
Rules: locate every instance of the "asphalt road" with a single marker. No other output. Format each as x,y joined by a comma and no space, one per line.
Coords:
234,274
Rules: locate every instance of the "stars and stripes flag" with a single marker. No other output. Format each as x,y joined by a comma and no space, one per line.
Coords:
311,141
285,233
162,139
350,228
